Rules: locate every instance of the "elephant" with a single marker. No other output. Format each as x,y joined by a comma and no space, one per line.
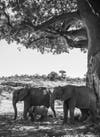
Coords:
38,110
32,96
73,96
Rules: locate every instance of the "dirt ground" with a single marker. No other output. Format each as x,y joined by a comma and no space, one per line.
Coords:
52,127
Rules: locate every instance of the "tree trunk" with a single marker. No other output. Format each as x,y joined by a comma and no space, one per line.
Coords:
92,24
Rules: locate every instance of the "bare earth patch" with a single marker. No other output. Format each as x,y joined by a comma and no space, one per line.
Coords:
52,127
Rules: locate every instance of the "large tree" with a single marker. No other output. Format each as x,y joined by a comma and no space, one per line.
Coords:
54,26
45,25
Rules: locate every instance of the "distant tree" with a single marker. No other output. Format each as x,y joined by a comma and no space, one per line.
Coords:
16,76
63,73
36,75
44,77
52,76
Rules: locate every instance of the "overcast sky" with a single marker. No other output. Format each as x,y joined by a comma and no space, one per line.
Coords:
28,61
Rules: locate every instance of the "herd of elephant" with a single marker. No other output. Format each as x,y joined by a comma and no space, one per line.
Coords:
38,100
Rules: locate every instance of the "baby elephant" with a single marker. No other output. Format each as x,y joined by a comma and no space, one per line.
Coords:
38,110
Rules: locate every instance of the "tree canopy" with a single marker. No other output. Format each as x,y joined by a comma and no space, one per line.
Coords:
45,25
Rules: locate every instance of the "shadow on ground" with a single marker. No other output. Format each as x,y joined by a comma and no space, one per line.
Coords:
50,128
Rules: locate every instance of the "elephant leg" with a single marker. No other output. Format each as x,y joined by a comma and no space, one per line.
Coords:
93,115
31,116
65,109
42,117
52,106
72,115
85,114
71,110
89,118
93,110
26,109
54,112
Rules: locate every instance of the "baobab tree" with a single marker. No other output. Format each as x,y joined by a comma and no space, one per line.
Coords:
54,26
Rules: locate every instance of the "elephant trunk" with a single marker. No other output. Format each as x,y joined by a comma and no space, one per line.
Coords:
15,109
52,101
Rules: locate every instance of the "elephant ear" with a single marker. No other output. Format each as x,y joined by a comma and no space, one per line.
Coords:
59,92
62,91
22,93
67,92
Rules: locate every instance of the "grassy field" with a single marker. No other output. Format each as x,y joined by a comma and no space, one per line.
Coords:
52,127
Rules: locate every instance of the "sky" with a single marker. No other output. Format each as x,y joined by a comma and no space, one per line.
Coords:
28,61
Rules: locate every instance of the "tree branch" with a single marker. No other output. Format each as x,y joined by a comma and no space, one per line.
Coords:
43,37
62,17
76,33
65,16
5,14
77,44
81,44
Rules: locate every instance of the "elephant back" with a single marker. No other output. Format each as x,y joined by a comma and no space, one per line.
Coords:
40,96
